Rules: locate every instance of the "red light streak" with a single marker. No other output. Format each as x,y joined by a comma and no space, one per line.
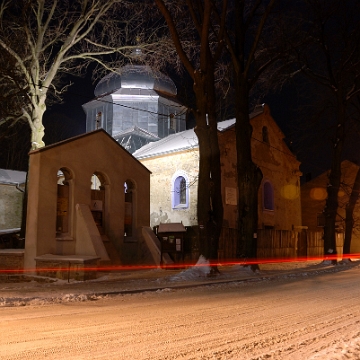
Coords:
73,267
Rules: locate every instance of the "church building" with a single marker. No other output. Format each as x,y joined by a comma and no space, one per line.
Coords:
136,105
174,166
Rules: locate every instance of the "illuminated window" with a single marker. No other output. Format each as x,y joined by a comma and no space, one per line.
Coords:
268,196
180,191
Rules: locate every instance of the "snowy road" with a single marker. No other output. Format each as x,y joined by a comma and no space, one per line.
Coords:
316,317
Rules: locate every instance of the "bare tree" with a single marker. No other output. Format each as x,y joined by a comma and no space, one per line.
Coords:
47,39
239,26
249,19
349,214
321,44
194,23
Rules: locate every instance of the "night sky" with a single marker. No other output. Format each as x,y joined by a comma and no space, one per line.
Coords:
68,119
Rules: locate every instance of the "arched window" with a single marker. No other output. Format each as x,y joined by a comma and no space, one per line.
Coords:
97,204
64,178
268,196
265,135
180,191
129,213
95,182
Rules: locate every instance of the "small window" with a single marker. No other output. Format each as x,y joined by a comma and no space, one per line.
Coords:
98,120
172,122
268,196
265,135
180,192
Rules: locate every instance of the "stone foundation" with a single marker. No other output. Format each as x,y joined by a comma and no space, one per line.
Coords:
67,267
12,259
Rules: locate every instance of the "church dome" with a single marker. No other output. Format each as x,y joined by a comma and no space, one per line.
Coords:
135,77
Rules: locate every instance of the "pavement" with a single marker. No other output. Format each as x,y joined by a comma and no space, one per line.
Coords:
21,290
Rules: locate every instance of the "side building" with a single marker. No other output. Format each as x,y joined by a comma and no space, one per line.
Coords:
12,187
313,199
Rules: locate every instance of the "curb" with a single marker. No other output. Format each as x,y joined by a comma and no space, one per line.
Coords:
93,296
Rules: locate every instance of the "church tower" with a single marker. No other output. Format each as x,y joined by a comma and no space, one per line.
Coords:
136,105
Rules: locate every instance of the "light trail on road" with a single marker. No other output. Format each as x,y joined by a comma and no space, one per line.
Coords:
243,262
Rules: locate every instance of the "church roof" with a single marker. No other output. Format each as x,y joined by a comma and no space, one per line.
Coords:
12,177
171,227
173,143
184,140
135,130
135,77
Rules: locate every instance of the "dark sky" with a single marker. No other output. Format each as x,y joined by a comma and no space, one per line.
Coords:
73,115
68,119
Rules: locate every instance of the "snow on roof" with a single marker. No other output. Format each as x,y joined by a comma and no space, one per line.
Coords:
173,143
184,140
138,131
176,142
171,227
12,176
226,124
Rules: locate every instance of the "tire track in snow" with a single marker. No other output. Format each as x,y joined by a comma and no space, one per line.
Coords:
281,319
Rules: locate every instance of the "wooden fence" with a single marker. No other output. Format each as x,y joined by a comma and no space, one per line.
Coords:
279,244
271,244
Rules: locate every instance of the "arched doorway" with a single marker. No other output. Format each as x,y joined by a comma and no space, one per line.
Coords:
63,209
129,221
97,204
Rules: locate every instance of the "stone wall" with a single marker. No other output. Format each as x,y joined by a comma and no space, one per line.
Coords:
67,268
163,169
279,167
10,206
12,259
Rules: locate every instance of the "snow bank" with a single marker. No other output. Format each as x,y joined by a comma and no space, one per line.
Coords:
199,270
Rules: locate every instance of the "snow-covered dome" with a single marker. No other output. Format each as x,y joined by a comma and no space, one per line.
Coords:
135,77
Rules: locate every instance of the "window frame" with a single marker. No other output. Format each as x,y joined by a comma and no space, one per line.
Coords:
176,195
266,187
265,135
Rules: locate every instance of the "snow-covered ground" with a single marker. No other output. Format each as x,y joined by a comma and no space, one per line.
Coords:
37,290
285,311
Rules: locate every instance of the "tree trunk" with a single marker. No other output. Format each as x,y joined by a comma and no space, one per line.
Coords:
36,121
37,134
332,204
248,174
209,206
349,220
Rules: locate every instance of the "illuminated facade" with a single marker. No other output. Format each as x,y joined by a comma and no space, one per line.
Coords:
174,166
